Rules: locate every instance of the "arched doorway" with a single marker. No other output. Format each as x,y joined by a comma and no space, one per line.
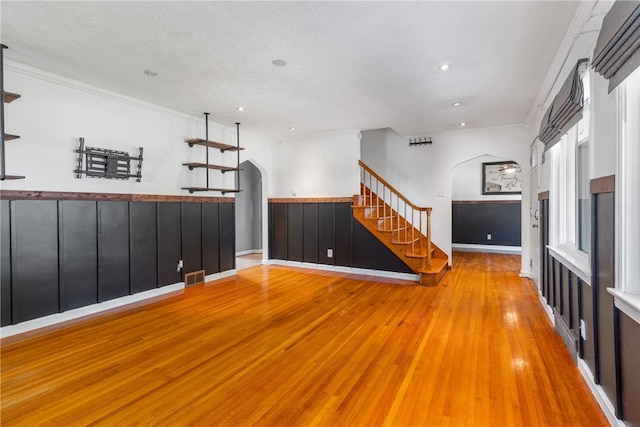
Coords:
486,218
249,219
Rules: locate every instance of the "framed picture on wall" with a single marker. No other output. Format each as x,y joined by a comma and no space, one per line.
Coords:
501,178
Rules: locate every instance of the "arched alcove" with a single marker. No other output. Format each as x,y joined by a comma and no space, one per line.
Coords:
486,217
249,216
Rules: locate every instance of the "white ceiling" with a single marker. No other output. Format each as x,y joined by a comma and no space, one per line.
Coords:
361,65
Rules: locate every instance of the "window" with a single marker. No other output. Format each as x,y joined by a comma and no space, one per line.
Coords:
628,185
582,174
570,196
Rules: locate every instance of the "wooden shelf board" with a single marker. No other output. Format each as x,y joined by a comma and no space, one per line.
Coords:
11,177
9,137
10,97
217,167
213,144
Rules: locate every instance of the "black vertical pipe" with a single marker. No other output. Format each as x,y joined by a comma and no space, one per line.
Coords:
206,127
2,163
238,151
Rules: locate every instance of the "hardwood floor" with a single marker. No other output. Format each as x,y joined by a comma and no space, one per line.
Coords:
293,347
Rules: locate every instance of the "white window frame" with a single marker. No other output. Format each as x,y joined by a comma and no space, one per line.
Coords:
563,200
627,280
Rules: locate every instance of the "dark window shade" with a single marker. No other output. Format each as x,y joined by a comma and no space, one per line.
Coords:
566,109
617,52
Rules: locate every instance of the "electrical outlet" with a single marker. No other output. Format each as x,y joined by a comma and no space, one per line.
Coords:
488,236
329,253
439,193
583,329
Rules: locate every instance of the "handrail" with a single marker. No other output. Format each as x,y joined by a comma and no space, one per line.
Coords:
390,187
390,207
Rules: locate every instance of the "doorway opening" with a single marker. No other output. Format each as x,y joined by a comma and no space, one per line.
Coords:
249,217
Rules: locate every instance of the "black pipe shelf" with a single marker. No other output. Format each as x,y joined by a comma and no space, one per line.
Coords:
212,144
221,190
195,165
7,97
207,143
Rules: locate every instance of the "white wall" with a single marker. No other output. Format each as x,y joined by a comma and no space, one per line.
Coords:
324,165
466,181
54,112
419,171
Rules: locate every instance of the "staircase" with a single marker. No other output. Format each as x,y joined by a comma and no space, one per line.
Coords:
403,227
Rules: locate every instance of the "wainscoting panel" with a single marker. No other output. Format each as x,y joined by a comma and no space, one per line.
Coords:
371,253
314,227
344,234
227,236
78,222
143,218
278,227
62,251
588,348
310,232
604,305
34,259
210,238
472,221
191,237
544,251
326,232
294,232
113,250
630,369
169,243
5,263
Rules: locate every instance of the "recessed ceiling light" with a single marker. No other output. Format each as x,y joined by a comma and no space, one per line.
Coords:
292,128
279,62
240,108
445,67
150,73
457,104
463,124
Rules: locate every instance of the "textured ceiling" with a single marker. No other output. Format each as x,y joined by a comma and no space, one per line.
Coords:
358,65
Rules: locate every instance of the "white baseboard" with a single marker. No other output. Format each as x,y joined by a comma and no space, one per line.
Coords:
76,313
547,309
497,249
526,274
249,252
218,276
340,269
600,395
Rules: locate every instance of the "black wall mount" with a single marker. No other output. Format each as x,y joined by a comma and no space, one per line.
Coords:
105,163
420,141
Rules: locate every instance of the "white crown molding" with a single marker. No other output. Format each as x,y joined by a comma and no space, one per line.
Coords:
94,90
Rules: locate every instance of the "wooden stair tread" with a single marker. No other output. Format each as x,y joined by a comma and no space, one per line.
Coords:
437,264
422,254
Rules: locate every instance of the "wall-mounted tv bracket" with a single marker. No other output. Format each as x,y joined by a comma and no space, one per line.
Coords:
104,163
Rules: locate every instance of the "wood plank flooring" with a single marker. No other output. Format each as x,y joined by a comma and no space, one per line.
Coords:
294,347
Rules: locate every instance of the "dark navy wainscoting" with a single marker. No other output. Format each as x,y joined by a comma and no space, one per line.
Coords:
58,255
304,232
473,220
611,345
